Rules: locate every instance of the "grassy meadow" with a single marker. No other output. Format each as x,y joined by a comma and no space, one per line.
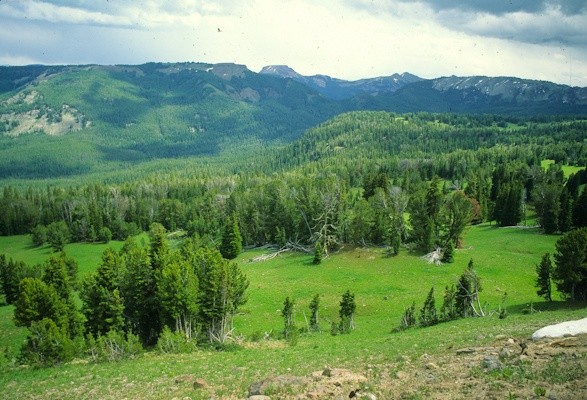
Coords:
505,259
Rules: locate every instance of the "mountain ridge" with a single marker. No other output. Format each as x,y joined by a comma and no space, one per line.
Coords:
340,89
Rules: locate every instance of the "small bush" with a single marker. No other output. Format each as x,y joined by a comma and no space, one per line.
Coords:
175,342
46,345
113,346
408,318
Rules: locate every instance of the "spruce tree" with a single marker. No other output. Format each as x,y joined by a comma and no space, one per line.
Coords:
314,306
570,273
544,275
428,314
347,312
102,304
318,250
288,317
232,242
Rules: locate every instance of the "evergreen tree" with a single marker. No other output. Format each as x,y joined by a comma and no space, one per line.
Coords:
318,249
232,243
546,198
565,217
454,217
11,272
428,315
544,275
570,273
58,235
55,275
314,306
408,319
102,304
36,301
580,210
39,235
47,344
347,312
288,317
467,294
139,293
448,253
222,287
449,311
177,289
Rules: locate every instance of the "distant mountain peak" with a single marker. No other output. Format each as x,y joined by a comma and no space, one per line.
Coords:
283,71
340,89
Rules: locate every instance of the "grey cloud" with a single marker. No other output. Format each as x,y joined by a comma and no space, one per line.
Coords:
500,7
525,21
551,25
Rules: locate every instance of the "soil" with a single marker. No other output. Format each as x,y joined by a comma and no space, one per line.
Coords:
506,368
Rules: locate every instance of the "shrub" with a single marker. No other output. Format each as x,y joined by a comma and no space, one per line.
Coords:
113,346
46,345
171,342
408,318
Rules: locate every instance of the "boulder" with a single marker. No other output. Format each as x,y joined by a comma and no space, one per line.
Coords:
569,328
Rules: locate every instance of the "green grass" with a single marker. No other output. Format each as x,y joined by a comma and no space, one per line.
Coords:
567,169
505,259
88,256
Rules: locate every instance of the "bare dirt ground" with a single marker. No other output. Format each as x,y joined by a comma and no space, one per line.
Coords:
506,368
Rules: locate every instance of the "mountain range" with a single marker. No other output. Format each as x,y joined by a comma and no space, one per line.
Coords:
477,94
63,120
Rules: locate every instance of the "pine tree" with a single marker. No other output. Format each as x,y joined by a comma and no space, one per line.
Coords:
177,290
580,210
222,287
347,312
448,311
544,275
565,217
318,250
288,317
232,242
570,273
102,304
428,314
408,317
314,306
36,301
467,295
139,293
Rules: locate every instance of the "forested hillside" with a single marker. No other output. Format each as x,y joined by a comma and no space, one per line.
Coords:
349,180
73,121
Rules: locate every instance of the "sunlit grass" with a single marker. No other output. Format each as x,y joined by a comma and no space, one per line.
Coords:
505,259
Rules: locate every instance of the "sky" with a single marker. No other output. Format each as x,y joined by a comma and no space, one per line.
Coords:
347,39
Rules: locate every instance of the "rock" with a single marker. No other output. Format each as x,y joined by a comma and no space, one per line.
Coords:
491,363
401,375
505,353
431,366
569,328
275,384
467,350
367,396
259,397
200,384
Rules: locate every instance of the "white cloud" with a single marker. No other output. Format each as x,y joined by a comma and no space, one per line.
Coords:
349,39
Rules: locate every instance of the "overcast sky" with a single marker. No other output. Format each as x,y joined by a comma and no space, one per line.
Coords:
349,39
